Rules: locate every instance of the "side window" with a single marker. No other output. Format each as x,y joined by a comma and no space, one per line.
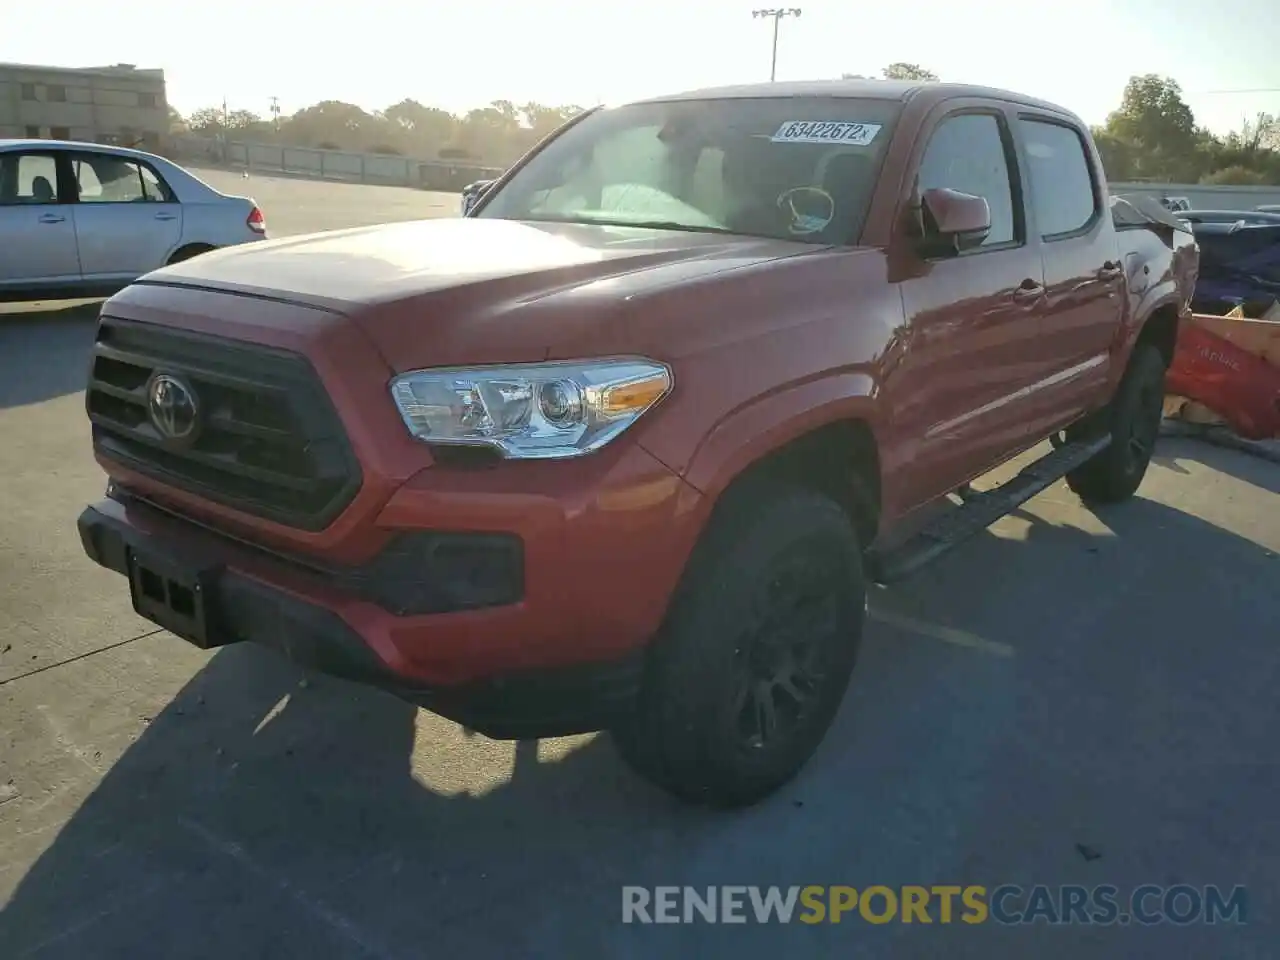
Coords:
967,153
28,178
1062,190
107,179
87,180
153,188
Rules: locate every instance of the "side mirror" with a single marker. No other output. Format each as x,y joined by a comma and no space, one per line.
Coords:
472,193
952,222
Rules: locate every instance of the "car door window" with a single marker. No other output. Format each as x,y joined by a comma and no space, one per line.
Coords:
969,153
1063,194
28,178
153,188
110,179
90,186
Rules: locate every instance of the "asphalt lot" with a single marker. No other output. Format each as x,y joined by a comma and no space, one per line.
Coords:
1073,698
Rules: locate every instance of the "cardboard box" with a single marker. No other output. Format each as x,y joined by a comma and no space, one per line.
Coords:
1259,336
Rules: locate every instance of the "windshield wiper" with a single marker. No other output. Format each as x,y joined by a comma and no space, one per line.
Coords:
640,224
662,225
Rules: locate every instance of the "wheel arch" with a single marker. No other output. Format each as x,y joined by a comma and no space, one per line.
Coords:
188,250
1159,328
822,434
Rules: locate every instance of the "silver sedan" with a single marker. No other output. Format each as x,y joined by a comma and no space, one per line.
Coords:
84,220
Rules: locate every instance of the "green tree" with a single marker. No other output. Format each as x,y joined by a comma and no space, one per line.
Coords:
206,120
424,130
543,120
242,120
493,133
908,71
1117,155
344,125
1158,130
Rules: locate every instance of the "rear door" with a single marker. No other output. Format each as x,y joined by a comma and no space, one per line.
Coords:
127,219
971,318
37,229
1084,275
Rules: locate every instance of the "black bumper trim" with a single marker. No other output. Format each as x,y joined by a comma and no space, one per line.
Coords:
418,572
516,706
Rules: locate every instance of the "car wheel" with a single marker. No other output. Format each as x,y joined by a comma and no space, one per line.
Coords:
754,659
1133,417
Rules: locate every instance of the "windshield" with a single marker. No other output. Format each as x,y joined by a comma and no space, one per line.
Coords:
795,168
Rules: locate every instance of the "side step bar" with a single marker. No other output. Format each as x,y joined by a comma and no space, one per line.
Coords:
979,510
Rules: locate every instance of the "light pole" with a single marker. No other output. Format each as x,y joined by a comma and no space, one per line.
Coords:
776,13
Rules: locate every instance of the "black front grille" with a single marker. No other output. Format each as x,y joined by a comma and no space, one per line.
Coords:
269,441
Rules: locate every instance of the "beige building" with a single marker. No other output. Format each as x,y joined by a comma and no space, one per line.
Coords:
121,105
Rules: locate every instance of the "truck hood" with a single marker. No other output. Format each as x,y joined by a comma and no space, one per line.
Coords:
465,290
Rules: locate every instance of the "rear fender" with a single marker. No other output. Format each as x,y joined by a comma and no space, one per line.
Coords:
1148,294
1129,334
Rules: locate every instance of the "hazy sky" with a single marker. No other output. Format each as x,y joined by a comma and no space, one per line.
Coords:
464,54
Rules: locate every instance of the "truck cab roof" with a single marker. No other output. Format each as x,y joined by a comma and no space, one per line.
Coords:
902,90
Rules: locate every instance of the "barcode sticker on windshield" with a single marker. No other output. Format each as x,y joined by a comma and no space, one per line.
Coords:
826,131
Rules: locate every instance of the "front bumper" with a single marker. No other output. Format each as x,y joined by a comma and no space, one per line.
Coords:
216,591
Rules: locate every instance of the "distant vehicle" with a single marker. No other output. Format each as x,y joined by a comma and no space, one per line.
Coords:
1230,216
85,219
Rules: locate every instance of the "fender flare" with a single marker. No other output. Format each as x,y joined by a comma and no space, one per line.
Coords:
754,430
1165,296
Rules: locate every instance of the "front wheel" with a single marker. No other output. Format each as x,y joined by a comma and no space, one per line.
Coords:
1133,418
756,654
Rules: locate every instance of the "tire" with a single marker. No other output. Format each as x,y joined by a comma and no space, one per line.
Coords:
1133,417
770,612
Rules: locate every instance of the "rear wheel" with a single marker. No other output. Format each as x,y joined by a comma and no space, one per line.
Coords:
757,652
1133,417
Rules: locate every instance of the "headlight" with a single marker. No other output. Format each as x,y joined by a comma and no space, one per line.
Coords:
530,411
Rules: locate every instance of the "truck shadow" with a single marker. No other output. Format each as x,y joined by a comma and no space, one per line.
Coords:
44,350
257,805
256,816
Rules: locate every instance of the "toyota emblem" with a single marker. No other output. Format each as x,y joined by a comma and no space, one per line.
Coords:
174,410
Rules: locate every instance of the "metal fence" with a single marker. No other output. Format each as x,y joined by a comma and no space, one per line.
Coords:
453,176
1206,196
331,164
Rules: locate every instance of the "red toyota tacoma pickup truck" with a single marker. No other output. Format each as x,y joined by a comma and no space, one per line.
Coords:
620,448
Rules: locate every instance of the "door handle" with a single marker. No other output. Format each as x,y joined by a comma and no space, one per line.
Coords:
51,218
166,216
1028,291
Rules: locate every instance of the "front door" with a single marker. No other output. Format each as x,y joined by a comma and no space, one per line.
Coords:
37,231
971,320
127,223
